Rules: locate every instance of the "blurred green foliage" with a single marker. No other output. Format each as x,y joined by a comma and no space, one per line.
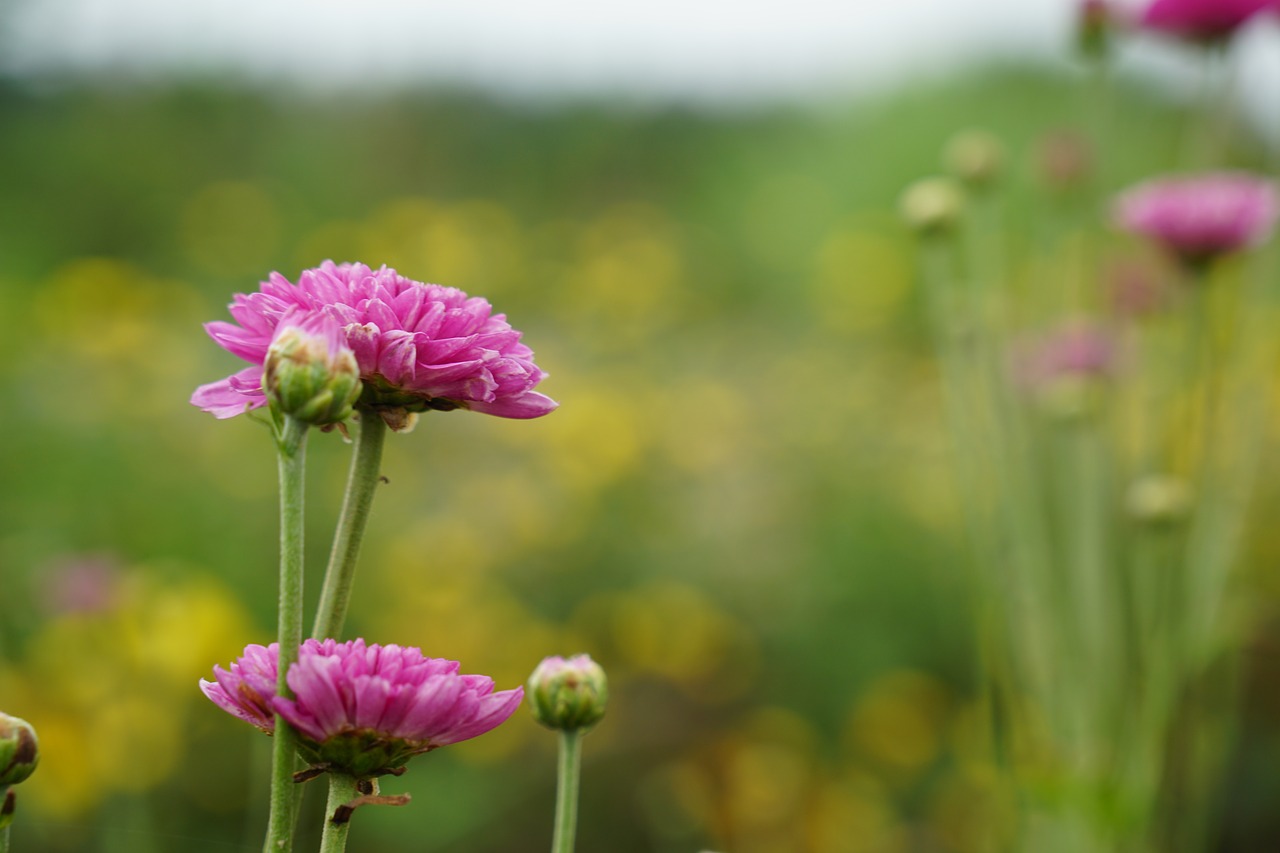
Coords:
743,509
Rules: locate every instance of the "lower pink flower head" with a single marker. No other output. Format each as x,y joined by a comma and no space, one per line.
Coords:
418,346
364,709
1202,20
1201,217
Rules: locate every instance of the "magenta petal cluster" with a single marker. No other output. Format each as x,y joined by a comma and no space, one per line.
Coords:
392,690
1202,20
245,691
363,709
1200,217
418,346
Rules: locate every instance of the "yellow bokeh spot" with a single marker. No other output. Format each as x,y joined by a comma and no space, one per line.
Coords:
134,743
61,787
231,228
853,814
861,279
675,631
898,722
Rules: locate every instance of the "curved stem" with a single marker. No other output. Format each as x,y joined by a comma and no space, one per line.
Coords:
342,790
568,772
292,446
361,483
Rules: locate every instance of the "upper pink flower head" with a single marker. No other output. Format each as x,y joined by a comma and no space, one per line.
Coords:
364,709
1201,20
1201,217
418,346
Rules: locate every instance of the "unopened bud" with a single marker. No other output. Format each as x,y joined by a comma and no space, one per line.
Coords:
1159,500
568,694
1095,20
975,157
932,205
1064,160
19,750
310,373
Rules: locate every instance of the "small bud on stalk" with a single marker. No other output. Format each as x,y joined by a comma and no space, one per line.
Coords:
1095,21
976,157
19,750
310,373
568,694
19,755
932,206
1160,500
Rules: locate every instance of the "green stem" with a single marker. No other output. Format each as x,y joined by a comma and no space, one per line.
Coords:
342,790
4,840
292,446
361,483
567,774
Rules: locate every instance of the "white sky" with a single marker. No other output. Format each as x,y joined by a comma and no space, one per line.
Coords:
690,49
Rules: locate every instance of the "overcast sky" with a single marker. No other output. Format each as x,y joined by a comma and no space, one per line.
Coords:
689,49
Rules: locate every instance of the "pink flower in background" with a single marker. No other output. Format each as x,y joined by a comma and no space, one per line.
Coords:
1202,20
1201,217
89,583
1074,349
419,346
363,709
245,691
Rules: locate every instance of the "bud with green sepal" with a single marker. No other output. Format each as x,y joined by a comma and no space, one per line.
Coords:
932,206
568,694
976,157
310,373
19,755
19,750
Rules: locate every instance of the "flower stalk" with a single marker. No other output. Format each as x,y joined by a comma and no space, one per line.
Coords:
343,789
362,482
568,774
291,445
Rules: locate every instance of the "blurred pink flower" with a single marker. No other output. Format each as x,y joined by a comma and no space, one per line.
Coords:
1201,217
1077,348
1202,20
89,583
419,346
246,690
363,709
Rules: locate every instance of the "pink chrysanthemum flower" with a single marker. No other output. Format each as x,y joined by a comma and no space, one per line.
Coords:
1202,20
419,346
364,709
1201,217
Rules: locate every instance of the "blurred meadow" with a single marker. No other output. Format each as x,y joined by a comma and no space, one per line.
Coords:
744,508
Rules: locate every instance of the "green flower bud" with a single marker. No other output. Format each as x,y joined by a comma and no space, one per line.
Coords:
310,373
1160,500
19,750
568,694
975,157
932,205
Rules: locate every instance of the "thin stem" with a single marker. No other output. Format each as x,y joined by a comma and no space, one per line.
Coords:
342,790
292,444
4,840
567,774
361,483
